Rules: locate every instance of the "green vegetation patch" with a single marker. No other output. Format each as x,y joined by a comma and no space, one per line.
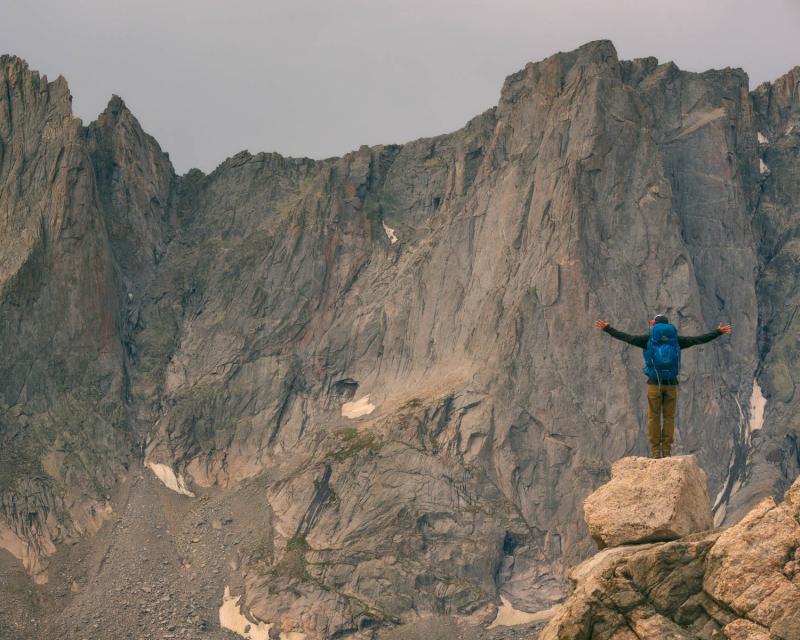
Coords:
293,563
353,441
414,403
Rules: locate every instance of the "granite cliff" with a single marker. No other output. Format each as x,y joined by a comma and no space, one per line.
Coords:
387,360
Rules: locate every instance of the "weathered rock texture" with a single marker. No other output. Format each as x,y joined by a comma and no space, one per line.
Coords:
649,500
739,583
217,324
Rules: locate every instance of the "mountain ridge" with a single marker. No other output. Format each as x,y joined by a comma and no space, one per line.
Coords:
120,103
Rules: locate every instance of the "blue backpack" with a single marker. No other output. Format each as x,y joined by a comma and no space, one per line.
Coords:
662,358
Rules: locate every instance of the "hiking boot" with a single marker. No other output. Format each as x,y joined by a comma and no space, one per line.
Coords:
655,454
666,453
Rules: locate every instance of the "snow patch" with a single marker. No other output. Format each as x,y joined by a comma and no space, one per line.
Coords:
762,166
358,408
169,478
508,616
232,618
757,405
390,233
762,139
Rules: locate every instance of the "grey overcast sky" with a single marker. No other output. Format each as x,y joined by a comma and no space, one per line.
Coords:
321,77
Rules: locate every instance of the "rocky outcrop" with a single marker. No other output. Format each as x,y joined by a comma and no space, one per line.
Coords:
740,582
649,500
397,344
754,567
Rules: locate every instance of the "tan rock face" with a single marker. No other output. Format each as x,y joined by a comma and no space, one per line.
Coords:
750,568
649,500
745,630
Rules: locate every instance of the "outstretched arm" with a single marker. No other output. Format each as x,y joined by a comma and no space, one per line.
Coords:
684,342
637,341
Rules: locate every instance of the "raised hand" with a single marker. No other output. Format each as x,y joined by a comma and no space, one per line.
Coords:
601,324
725,328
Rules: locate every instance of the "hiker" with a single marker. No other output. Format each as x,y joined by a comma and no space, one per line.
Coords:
662,360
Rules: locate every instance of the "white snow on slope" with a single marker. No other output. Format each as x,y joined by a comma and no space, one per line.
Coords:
390,233
757,405
232,618
169,478
508,616
360,407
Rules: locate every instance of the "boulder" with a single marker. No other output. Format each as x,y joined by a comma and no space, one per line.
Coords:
752,566
649,500
739,583
637,591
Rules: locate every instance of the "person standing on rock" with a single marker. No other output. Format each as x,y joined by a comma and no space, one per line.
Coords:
662,362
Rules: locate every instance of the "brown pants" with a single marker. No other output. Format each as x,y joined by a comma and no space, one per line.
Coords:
661,401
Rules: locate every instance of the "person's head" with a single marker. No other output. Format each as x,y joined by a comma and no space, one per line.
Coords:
659,319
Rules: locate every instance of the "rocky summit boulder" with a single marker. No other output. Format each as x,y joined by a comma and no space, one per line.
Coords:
649,500
737,583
